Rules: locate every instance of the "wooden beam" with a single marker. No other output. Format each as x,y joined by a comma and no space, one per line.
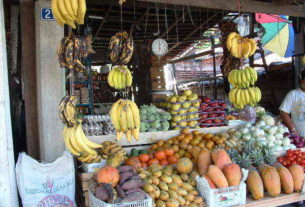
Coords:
173,25
194,31
103,22
28,70
246,6
209,52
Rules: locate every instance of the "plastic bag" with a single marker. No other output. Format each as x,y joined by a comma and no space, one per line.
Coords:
46,184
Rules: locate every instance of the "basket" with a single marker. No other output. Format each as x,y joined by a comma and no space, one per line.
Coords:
94,202
223,197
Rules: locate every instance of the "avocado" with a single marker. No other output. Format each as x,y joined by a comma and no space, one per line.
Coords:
134,152
143,152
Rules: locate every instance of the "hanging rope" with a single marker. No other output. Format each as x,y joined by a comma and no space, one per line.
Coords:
190,14
166,23
176,24
146,19
157,13
121,9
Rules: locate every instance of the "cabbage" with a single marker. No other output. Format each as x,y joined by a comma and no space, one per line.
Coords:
151,117
257,132
261,123
259,110
164,124
279,136
245,131
143,111
248,125
270,137
268,119
292,146
143,127
272,130
280,130
143,117
278,142
155,125
238,135
277,148
286,141
246,137
151,108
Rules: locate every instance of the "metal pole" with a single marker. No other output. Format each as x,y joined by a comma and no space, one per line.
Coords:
214,67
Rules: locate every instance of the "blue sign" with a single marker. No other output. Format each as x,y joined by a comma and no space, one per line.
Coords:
46,14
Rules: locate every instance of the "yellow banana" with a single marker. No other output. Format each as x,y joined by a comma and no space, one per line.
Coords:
119,135
123,78
247,97
253,46
81,141
119,79
87,141
129,116
74,4
135,113
67,142
252,95
63,10
123,116
234,47
110,78
128,135
73,140
69,9
115,78
129,78
135,132
246,48
232,95
87,158
258,94
244,79
81,11
248,76
229,39
114,115
57,14
237,97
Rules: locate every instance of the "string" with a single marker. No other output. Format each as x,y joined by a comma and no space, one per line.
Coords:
121,9
146,24
157,13
166,24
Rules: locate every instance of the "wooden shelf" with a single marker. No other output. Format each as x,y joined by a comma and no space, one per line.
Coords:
272,202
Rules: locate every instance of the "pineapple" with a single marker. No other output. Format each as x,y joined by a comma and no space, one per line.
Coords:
233,155
244,161
248,146
269,157
256,157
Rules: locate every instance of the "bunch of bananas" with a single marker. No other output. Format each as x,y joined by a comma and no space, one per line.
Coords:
240,47
125,118
121,48
69,11
79,145
120,77
242,97
70,51
67,110
112,153
243,78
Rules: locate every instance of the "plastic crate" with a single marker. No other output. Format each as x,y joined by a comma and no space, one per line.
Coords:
94,202
223,197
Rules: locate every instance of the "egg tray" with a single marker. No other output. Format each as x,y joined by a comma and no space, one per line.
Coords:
182,102
187,120
147,121
183,127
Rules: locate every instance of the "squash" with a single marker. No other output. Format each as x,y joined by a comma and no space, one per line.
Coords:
108,175
184,165
220,158
217,177
271,180
286,179
133,161
204,161
211,184
233,174
297,173
255,184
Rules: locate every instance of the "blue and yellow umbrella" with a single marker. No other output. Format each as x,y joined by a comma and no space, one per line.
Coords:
278,36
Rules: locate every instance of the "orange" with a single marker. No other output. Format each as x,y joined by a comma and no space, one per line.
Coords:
163,162
160,155
144,157
169,151
172,159
153,161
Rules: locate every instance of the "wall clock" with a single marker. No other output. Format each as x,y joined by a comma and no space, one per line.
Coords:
159,47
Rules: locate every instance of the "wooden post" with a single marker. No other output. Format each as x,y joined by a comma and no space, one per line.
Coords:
28,68
8,189
214,68
251,58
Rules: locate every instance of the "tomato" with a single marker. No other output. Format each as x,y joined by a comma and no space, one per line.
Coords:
160,155
169,152
172,159
284,163
153,161
290,159
144,164
280,159
289,154
288,163
303,162
299,159
295,157
163,162
293,162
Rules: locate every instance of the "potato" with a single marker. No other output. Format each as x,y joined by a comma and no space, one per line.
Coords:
195,132
177,179
188,155
208,136
173,186
163,186
172,203
142,175
168,170
175,148
164,195
166,179
192,182
160,203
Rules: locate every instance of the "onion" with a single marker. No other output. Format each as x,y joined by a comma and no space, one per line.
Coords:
299,145
286,134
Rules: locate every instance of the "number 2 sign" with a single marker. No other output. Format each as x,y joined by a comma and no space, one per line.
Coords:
46,14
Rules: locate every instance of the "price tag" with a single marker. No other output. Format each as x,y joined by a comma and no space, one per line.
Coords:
46,14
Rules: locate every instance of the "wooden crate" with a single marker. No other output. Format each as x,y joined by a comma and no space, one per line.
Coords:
85,180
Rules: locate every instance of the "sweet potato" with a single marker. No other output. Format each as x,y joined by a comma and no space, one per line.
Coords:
126,168
125,176
136,196
135,177
133,190
120,192
101,193
132,184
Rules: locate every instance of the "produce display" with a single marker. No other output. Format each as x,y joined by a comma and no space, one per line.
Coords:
242,94
114,154
97,125
169,187
153,120
71,50
292,157
118,185
69,12
125,118
240,47
212,112
184,110
121,48
298,141
120,77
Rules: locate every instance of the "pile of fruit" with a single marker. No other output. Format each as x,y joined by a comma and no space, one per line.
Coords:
184,110
292,157
118,185
240,47
190,144
266,174
121,48
69,12
125,118
212,112
144,159
218,170
242,94
153,119
264,133
298,141
172,187
120,77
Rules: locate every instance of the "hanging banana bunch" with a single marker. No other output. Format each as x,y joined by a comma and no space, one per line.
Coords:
240,47
67,110
125,118
121,48
70,12
120,77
